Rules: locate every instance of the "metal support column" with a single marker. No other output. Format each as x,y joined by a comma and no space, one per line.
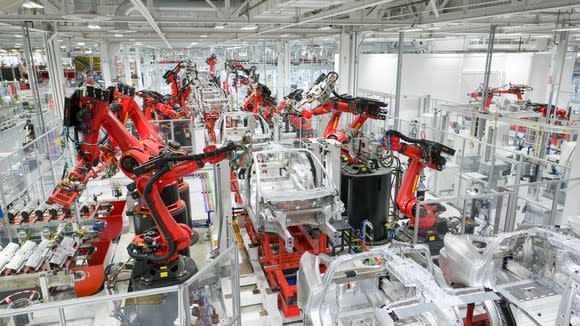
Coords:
139,83
283,70
127,64
106,63
55,72
399,81
223,196
557,69
29,58
486,75
346,61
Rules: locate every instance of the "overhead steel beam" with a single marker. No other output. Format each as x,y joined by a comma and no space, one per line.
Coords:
492,11
433,5
143,10
325,14
198,20
211,4
239,10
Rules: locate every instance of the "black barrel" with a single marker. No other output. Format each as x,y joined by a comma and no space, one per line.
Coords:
186,197
367,198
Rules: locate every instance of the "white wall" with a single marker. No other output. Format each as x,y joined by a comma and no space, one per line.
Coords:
378,72
451,77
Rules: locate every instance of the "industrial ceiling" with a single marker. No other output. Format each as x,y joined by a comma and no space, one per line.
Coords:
178,23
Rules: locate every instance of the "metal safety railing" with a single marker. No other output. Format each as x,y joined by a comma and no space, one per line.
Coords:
211,296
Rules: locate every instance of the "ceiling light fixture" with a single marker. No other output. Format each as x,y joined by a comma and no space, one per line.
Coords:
94,26
203,36
18,36
32,4
325,28
220,26
80,43
63,47
118,35
567,29
193,43
284,35
249,27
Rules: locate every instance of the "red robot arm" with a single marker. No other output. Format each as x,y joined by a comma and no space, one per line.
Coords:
150,164
421,153
152,177
211,62
93,113
170,77
363,108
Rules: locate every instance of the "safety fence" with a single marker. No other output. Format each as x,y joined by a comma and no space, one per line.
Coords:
30,174
210,297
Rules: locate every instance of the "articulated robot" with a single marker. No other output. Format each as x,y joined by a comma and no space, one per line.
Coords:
421,153
323,88
515,89
363,108
212,61
172,106
156,169
259,99
542,108
157,106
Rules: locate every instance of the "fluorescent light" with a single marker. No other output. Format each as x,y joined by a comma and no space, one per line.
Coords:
325,28
413,30
284,35
118,35
18,36
94,26
138,43
220,26
567,29
30,4
203,36
249,27
80,43
193,43
3,51
63,47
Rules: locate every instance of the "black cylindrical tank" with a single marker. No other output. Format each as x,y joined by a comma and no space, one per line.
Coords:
170,194
367,198
186,197
344,189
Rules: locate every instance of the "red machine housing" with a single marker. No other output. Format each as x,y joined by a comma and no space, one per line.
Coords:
211,61
515,89
363,108
146,161
421,153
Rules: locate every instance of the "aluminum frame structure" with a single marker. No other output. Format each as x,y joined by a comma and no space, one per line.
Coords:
281,188
236,126
383,286
535,270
